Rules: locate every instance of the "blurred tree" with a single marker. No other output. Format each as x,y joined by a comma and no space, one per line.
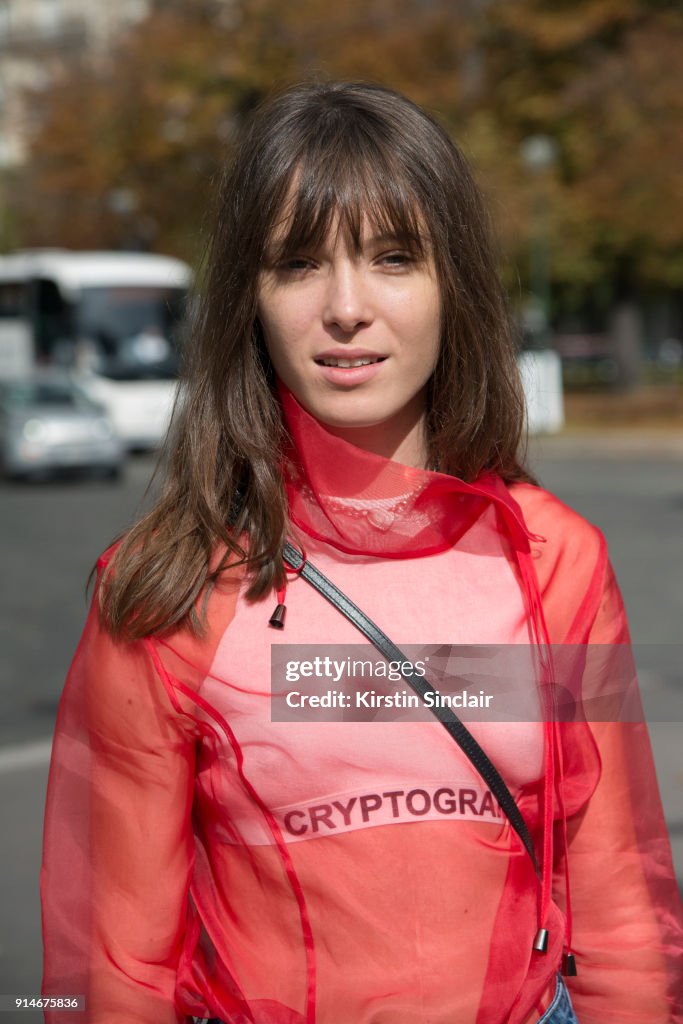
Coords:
154,124
602,79
156,121
125,153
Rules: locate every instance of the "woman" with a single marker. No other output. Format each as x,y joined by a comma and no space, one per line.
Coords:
352,390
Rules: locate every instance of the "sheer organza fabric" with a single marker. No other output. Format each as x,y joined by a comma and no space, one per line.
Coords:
178,878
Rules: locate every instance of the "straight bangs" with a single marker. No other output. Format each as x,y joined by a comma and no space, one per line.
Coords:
347,185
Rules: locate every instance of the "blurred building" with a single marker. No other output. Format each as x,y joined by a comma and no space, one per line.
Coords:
37,38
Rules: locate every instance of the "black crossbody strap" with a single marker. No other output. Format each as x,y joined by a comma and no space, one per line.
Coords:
450,721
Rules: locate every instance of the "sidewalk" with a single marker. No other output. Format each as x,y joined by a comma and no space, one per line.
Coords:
624,443
648,422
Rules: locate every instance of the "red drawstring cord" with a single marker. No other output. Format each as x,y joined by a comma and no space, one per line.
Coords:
277,619
553,765
540,635
568,961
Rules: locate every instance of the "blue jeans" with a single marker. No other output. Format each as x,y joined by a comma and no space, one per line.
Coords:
560,1010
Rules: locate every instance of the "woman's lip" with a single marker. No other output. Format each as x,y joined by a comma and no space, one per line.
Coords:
350,375
350,354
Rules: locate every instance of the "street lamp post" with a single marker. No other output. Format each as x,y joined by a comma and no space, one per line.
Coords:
541,369
538,153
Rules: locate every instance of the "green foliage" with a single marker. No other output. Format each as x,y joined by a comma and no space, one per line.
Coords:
129,151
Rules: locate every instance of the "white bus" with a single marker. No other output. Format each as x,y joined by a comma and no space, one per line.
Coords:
117,319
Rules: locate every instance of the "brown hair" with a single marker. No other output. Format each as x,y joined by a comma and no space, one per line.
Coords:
322,151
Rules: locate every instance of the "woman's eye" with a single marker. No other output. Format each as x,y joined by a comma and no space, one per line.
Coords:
296,265
396,259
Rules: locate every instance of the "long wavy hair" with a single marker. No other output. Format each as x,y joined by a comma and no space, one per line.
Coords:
314,155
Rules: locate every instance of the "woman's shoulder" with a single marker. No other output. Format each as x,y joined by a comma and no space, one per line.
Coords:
561,526
581,596
214,606
177,658
570,560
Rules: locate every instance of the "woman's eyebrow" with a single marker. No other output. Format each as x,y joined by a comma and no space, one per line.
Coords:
391,238
382,238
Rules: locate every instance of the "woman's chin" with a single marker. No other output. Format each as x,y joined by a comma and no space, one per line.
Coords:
346,412
350,423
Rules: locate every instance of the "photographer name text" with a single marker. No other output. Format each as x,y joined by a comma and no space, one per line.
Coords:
374,699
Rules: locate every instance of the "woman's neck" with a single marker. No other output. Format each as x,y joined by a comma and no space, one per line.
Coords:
402,439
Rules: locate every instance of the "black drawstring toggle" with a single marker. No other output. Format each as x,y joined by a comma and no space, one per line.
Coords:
569,965
541,941
277,619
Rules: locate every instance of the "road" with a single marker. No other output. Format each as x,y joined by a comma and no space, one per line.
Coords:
52,534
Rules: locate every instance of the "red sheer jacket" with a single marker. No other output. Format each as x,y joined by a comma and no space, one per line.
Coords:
201,859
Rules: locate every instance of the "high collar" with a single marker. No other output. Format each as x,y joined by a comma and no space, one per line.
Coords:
363,503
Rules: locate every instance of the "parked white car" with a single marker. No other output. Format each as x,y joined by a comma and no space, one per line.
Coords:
48,425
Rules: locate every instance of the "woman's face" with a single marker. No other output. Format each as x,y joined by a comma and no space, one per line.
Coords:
354,336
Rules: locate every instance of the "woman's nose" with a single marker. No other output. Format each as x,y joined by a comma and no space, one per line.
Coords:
347,300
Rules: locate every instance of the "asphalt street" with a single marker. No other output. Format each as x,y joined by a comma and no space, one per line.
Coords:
51,534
